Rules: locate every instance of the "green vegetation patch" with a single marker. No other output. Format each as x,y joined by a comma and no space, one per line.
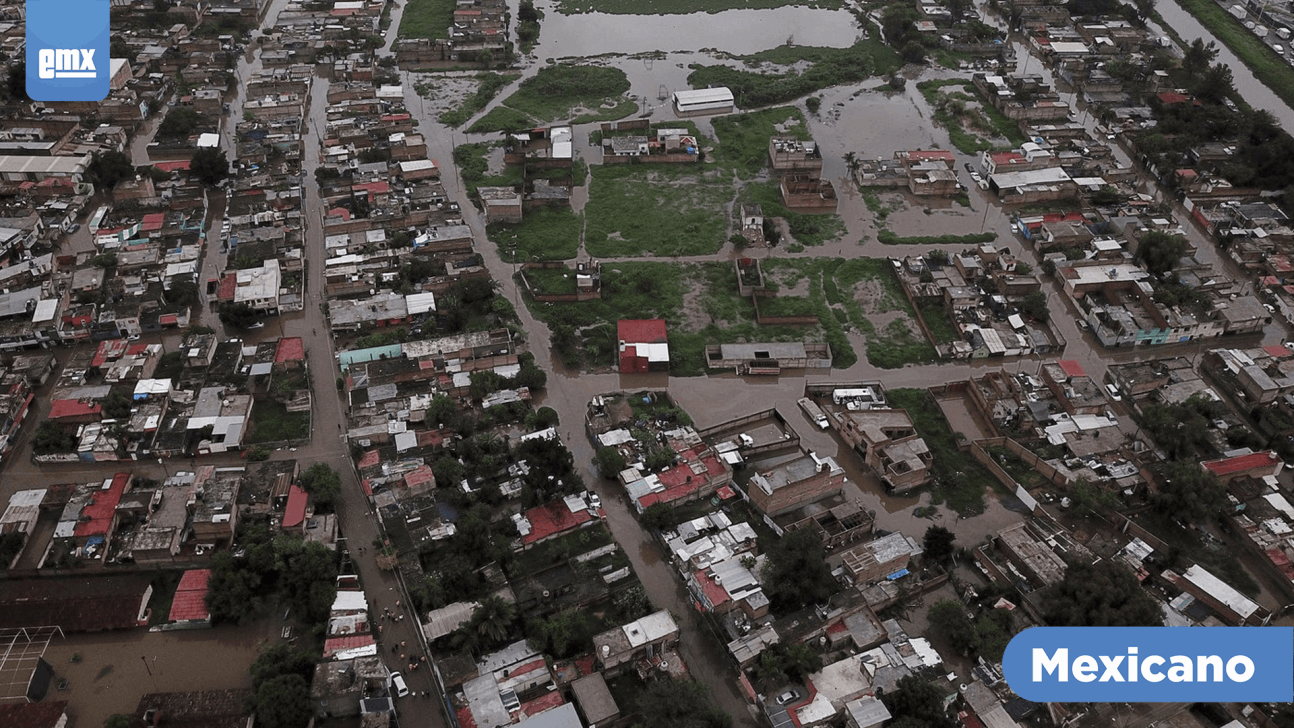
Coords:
544,233
657,211
959,479
491,85
1268,67
271,422
743,138
427,19
554,91
474,166
890,238
501,118
827,67
969,127
681,7
550,280
941,327
806,229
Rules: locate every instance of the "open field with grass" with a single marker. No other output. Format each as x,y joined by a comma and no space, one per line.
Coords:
1268,67
427,19
827,67
959,480
972,123
554,91
890,238
490,86
543,233
501,118
660,211
681,7
743,138
474,167
806,229
271,422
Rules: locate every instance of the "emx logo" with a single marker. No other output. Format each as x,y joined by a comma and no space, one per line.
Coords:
67,63
67,50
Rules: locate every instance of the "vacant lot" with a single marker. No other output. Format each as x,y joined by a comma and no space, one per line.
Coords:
560,93
426,19
661,211
543,233
680,7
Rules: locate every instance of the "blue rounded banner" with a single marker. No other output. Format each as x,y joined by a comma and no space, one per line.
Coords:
1152,664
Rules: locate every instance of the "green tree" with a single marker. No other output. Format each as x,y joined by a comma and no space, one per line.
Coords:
1160,251
209,166
658,516
915,703
494,619
237,315
51,438
913,52
110,167
1189,493
1086,499
609,461
181,121
283,702
797,572
183,293
16,82
117,720
679,704
323,484
948,619
1035,306
1105,594
235,593
1106,196
938,543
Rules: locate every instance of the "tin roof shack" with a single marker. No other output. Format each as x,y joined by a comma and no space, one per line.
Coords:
1230,605
888,443
797,483
726,585
79,604
496,696
643,639
338,687
1267,528
594,699
1032,553
866,712
883,557
983,705
213,504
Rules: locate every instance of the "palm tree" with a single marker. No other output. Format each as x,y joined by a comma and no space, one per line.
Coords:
494,618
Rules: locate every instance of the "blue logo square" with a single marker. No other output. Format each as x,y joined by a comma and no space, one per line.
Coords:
67,50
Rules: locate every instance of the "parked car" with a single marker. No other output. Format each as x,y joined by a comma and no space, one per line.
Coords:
1114,393
969,167
257,325
787,697
73,227
975,176
398,685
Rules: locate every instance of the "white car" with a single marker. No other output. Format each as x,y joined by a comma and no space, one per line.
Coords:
976,176
1114,393
398,686
787,697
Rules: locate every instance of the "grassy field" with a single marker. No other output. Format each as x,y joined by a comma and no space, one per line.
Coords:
550,280
1267,66
553,92
960,481
806,229
743,138
545,233
491,85
952,112
681,7
827,67
658,211
271,422
474,167
941,327
501,118
699,303
427,19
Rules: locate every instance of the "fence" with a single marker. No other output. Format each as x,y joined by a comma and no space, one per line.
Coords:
801,320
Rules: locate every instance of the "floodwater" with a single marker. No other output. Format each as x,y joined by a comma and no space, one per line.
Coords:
732,31
1254,92
116,668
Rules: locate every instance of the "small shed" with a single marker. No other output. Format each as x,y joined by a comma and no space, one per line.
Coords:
595,700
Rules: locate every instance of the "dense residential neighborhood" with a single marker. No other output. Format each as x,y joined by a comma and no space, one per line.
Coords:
375,363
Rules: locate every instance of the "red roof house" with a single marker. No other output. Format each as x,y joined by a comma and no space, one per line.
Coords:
1255,465
190,601
644,346
551,520
100,515
294,516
